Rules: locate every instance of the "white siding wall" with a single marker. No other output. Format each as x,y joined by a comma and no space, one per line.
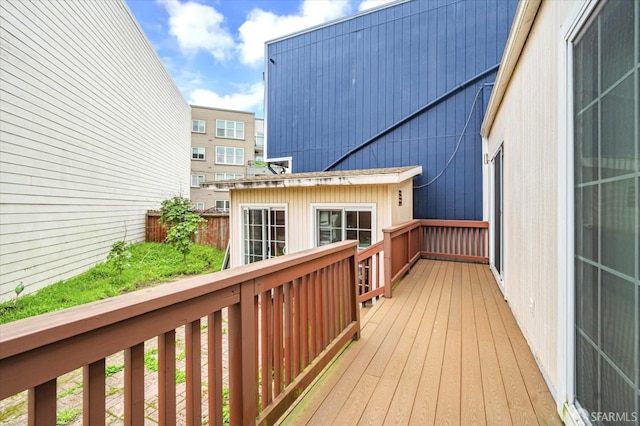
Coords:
527,123
93,132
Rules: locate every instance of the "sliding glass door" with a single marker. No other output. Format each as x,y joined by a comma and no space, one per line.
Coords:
606,64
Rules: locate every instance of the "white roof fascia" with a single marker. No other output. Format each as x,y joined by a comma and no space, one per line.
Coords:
335,180
522,23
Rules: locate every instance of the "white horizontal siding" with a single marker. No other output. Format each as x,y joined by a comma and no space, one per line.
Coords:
93,132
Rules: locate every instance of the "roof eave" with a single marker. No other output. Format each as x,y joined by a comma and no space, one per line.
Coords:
373,179
522,23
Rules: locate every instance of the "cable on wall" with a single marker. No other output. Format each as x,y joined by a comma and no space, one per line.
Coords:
455,151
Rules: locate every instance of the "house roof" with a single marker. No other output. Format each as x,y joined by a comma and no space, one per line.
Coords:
332,178
522,23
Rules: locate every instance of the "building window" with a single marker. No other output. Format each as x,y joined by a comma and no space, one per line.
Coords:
222,205
264,233
197,153
196,180
197,126
339,224
230,129
260,139
197,206
606,170
229,155
227,176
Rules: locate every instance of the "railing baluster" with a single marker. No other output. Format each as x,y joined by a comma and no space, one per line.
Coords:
319,312
312,315
277,341
42,404
304,322
288,333
265,346
93,393
296,327
214,366
134,385
193,343
167,378
235,368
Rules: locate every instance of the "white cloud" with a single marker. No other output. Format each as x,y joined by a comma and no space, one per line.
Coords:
248,98
197,26
262,26
370,4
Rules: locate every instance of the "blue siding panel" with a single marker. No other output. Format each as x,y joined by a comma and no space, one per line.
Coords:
333,89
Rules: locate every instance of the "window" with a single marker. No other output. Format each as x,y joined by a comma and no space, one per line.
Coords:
197,126
196,180
345,223
229,155
222,205
197,206
259,139
606,170
264,233
197,153
227,176
230,129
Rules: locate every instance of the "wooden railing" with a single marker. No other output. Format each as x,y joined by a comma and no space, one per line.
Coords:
287,317
456,240
402,245
370,282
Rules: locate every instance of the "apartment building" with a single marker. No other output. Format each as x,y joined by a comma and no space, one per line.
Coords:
223,143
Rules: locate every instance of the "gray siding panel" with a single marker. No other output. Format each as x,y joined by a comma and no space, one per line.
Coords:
333,88
93,132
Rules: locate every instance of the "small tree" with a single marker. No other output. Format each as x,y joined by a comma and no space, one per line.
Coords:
178,216
119,257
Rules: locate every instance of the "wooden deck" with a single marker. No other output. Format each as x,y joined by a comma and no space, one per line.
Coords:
444,350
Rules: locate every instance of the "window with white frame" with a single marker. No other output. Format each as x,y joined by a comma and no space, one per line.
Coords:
196,180
222,205
259,139
230,129
227,176
198,126
229,155
197,206
264,233
333,224
197,153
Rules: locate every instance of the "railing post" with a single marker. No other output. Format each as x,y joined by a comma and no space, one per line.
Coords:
42,404
387,264
249,352
93,394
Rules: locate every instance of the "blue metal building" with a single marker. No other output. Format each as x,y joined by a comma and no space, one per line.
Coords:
401,85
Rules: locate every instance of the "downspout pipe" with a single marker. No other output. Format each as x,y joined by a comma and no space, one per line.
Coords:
414,114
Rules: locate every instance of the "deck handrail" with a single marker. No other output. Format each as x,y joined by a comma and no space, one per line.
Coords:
466,240
370,280
287,318
402,244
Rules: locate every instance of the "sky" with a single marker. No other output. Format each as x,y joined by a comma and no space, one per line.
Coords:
214,49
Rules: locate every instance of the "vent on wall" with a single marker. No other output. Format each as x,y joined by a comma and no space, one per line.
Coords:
400,197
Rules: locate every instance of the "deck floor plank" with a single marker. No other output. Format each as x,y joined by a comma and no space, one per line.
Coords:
444,349
519,404
471,398
407,387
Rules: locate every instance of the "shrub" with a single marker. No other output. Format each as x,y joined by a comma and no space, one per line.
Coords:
182,222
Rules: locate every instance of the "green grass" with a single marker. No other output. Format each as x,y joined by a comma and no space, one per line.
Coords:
151,263
66,416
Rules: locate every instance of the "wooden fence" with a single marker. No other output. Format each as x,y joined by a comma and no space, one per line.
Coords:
287,318
215,231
